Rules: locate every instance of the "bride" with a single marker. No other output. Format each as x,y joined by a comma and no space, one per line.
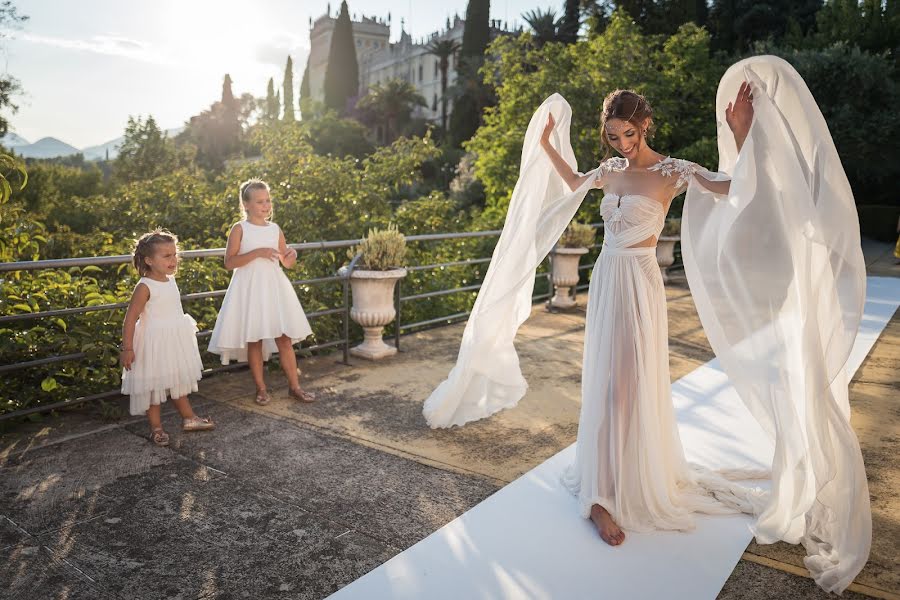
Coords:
772,253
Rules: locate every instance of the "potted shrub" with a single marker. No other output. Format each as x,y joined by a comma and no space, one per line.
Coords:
372,284
665,246
574,242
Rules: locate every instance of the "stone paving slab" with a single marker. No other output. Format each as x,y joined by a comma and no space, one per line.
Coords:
29,571
383,495
751,581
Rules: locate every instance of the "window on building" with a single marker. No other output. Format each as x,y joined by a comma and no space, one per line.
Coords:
434,104
421,76
359,43
437,67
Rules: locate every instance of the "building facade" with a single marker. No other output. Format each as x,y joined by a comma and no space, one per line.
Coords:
380,61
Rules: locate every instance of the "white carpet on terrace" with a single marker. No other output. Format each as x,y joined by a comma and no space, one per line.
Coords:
528,541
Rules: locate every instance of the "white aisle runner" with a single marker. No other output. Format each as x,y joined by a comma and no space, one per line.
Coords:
527,540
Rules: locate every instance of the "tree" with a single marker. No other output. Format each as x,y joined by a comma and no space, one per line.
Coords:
145,153
218,132
870,25
570,22
390,105
305,91
545,26
477,34
443,50
288,90
342,72
472,96
9,86
270,108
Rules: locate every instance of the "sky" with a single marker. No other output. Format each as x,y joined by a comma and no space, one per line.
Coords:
86,66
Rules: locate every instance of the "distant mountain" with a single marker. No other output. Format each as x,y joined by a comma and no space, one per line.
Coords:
47,147
98,152
12,140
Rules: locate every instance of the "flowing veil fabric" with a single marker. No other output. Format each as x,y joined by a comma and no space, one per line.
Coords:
487,377
777,274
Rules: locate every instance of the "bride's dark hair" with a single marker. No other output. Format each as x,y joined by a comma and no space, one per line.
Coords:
627,106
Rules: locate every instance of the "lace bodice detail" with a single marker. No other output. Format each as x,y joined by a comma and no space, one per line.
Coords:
676,166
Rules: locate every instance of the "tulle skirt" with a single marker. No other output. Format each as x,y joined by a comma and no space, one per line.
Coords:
629,457
166,362
260,305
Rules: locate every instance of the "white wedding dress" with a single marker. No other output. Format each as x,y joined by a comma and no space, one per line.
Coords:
777,274
629,457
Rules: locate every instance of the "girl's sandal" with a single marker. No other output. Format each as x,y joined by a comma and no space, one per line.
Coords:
302,396
197,424
159,437
262,398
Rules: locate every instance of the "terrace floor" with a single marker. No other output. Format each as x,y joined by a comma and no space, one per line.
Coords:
296,501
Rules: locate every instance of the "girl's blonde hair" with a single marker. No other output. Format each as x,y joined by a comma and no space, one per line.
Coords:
246,189
145,246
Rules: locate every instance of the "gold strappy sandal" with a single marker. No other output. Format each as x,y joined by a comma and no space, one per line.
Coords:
197,424
302,396
159,437
262,397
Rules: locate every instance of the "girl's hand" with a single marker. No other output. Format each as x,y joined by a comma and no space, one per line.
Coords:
289,257
269,253
548,129
126,358
739,114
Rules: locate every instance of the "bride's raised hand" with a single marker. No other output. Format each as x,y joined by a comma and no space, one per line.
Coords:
548,129
739,114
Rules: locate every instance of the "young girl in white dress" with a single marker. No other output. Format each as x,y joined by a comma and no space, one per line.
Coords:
261,314
159,341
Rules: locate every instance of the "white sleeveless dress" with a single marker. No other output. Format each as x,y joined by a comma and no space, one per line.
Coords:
260,303
166,358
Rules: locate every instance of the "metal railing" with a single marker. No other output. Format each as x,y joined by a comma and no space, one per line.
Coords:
342,277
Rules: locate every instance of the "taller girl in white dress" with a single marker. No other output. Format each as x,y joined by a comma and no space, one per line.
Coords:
772,253
260,314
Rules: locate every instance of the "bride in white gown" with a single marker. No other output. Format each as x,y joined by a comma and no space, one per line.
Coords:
630,469
773,258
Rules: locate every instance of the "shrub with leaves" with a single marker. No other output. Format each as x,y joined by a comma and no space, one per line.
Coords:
577,235
381,250
672,227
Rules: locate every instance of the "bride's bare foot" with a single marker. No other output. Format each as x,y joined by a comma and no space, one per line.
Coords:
611,533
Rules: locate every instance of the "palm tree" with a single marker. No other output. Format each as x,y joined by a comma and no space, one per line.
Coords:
443,49
389,102
544,25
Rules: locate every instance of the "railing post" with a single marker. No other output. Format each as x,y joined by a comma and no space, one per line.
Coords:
346,273
397,319
346,319
550,288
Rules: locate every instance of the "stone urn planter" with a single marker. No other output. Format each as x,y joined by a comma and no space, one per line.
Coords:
564,275
665,254
373,308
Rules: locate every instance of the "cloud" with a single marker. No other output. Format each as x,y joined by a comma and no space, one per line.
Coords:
276,48
110,45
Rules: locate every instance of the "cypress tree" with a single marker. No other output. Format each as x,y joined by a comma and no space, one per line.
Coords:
571,21
477,33
270,112
277,112
227,95
304,83
342,73
466,115
289,90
